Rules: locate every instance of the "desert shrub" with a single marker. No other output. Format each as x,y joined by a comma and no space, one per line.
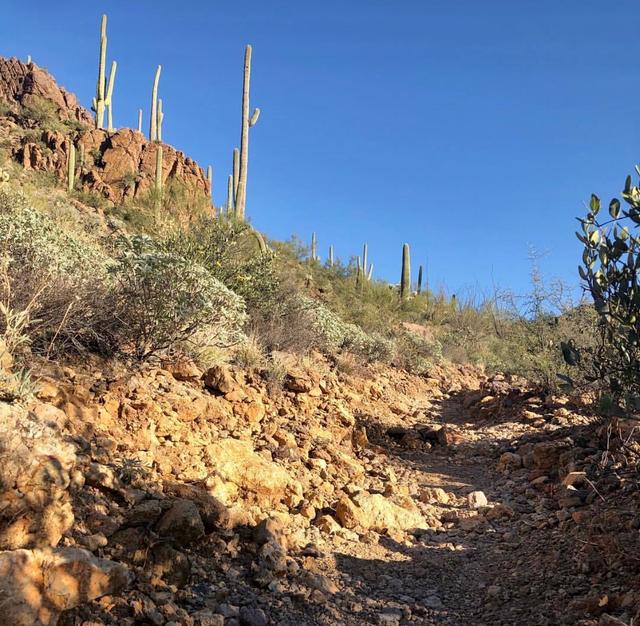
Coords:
165,301
416,353
332,334
609,270
231,251
55,279
47,115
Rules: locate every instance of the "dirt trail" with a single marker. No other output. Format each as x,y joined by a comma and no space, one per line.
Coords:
517,569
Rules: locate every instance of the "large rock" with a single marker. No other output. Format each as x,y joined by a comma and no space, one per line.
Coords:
375,512
35,476
182,523
239,469
37,585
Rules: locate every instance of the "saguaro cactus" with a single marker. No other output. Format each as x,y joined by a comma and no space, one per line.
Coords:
330,256
314,247
104,93
419,287
139,120
247,122
153,122
236,174
98,101
405,277
210,180
71,167
159,170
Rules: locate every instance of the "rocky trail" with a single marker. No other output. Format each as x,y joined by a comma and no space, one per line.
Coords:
206,498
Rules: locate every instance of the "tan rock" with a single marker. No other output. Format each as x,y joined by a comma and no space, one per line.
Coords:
219,380
236,462
374,511
37,585
434,495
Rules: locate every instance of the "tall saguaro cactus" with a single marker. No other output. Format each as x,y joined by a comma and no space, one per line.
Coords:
405,277
247,122
103,93
153,122
314,247
419,287
330,256
71,167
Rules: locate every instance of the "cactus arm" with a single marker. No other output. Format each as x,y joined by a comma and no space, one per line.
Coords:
236,173
254,118
109,97
160,120
153,129
370,273
230,195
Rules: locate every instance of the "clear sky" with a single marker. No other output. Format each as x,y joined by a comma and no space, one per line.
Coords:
469,129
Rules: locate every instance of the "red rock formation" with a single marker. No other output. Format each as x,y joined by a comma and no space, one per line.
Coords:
23,84
119,165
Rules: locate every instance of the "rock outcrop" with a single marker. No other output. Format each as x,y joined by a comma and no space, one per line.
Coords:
27,85
118,165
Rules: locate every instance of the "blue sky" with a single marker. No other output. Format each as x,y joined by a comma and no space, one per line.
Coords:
471,130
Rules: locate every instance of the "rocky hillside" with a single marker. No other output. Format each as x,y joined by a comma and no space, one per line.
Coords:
117,165
200,497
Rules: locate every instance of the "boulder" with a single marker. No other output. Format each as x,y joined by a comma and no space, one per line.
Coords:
238,468
182,522
375,512
37,585
218,379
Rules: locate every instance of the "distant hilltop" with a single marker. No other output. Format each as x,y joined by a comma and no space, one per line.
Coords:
41,121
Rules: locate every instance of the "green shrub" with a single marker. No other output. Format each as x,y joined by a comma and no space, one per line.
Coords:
609,270
231,251
166,301
415,353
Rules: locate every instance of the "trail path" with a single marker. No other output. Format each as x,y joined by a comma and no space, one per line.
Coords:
515,570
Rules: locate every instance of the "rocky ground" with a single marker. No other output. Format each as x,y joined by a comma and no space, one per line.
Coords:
171,495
